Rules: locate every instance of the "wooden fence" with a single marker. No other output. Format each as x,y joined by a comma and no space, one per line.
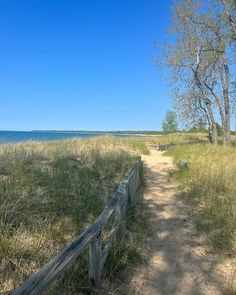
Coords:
91,237
165,147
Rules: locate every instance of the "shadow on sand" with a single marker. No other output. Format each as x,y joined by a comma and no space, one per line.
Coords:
177,262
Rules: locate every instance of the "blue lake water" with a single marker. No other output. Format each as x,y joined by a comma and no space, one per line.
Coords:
7,137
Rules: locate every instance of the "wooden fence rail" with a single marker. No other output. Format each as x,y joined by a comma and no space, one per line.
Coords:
91,237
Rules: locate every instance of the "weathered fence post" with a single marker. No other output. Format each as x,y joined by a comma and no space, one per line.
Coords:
137,176
120,214
135,179
131,189
95,263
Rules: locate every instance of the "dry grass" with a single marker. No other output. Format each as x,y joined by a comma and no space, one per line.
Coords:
49,193
208,183
209,180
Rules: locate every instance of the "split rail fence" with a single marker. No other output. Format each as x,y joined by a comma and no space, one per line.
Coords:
91,238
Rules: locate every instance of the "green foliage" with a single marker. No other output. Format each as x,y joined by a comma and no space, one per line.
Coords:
199,126
169,124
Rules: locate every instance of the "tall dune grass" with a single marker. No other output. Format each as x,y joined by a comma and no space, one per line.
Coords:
209,181
49,193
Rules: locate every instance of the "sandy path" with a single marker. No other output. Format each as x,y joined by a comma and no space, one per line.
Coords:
177,261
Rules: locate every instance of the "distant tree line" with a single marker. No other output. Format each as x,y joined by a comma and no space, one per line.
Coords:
200,57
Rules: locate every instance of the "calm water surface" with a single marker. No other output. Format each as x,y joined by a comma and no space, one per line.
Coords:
21,136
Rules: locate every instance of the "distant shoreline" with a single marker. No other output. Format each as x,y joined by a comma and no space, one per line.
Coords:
9,137
127,132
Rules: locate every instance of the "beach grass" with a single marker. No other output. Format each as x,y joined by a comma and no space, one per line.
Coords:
208,180
51,191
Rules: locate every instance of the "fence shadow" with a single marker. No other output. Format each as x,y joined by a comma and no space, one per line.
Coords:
176,258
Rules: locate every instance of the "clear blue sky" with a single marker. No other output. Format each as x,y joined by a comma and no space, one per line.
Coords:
82,64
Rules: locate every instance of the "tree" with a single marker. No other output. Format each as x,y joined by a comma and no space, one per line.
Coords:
199,62
194,109
170,124
214,52
184,58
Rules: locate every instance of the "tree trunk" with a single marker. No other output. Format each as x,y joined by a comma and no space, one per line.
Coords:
221,109
225,85
213,137
227,138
